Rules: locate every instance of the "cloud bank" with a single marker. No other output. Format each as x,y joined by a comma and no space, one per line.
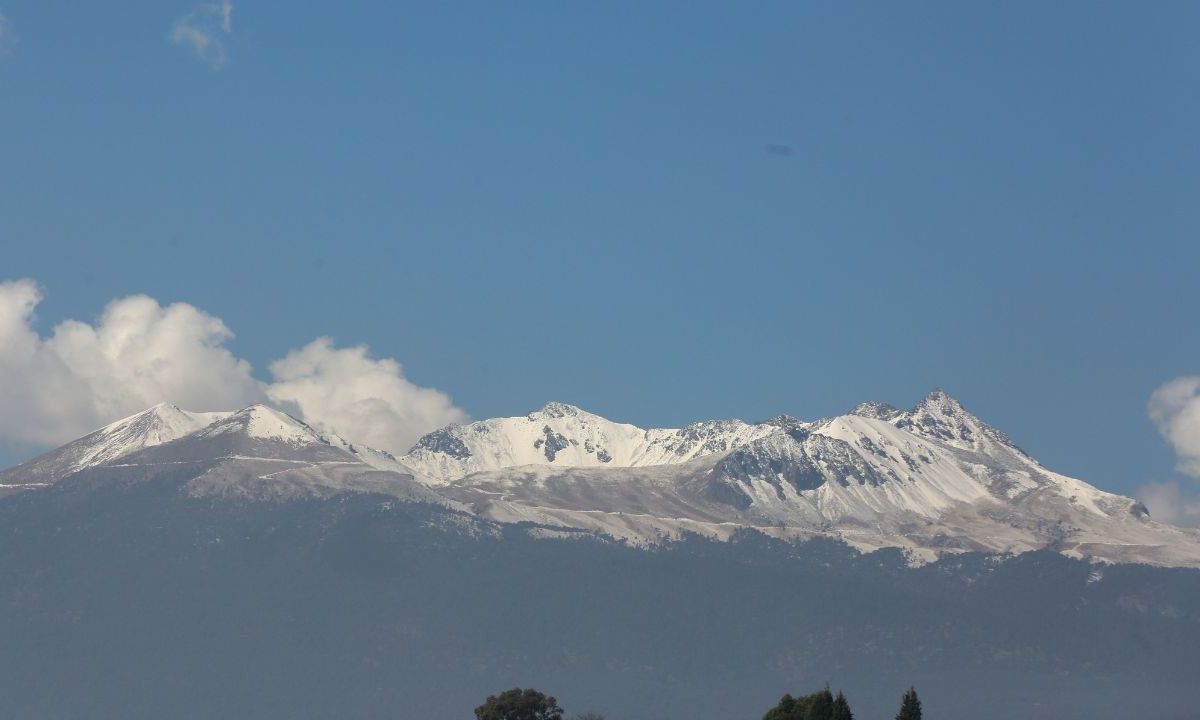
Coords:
138,353
1175,409
347,392
202,31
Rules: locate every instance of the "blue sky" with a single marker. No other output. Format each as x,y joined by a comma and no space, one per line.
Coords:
659,214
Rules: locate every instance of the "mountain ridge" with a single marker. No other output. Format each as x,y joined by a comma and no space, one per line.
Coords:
931,480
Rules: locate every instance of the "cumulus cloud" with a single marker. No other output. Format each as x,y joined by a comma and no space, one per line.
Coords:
1170,503
202,31
356,396
1175,409
138,353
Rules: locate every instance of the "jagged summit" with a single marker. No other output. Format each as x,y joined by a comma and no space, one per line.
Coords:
941,417
876,410
931,480
794,427
938,402
554,409
564,435
784,421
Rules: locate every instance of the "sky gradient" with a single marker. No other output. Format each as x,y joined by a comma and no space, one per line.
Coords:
660,215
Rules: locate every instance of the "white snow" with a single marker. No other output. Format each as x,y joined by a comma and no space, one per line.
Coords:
260,421
930,481
154,426
587,441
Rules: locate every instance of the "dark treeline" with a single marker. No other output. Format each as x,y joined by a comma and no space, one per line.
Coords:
530,704
824,705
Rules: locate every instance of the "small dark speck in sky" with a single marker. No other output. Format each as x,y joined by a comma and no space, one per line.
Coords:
775,149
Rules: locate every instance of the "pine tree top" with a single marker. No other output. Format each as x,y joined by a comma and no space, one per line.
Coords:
910,706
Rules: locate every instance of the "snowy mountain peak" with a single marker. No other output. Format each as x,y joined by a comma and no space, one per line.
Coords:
876,411
154,426
266,423
162,416
931,480
784,421
562,435
796,428
159,424
938,400
559,410
941,417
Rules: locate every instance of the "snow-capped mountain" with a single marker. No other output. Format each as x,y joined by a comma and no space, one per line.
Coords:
256,452
930,480
162,423
561,435
259,453
220,540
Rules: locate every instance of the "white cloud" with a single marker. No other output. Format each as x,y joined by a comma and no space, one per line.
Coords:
1175,409
1170,503
202,32
359,397
139,353
6,33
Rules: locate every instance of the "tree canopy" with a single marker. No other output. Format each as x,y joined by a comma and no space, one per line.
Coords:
518,704
821,705
910,706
